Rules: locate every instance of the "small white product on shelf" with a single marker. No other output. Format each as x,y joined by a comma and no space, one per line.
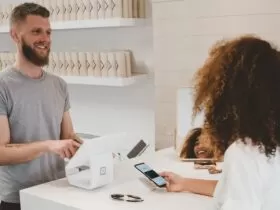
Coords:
55,66
125,8
62,68
130,9
4,60
1,63
11,58
54,8
48,66
103,64
6,13
73,10
60,10
68,64
120,64
100,9
67,11
141,8
75,61
96,60
94,10
90,64
88,8
135,8
1,15
112,71
107,5
117,8
83,64
128,59
79,9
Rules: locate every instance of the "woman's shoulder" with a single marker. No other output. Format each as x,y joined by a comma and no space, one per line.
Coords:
242,150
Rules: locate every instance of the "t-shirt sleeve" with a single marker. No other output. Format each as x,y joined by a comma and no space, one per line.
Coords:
240,186
3,102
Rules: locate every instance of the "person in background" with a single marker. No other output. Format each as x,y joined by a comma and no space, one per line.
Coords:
36,128
238,90
199,145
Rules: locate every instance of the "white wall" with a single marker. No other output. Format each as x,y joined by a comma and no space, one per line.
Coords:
184,30
184,119
103,110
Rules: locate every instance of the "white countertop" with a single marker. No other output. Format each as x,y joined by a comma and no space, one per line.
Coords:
62,196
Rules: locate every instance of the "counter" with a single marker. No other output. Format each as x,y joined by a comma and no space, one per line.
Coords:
61,196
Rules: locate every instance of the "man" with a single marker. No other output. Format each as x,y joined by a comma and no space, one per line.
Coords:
34,110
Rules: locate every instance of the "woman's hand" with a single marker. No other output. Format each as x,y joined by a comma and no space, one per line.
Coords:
175,183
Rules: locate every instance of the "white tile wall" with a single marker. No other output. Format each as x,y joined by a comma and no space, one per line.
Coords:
184,30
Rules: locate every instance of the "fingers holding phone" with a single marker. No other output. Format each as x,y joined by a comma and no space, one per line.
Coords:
174,182
153,176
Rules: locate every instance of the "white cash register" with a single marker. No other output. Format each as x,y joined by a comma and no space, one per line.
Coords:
93,164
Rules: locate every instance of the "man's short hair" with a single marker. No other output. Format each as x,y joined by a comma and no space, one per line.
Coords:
20,12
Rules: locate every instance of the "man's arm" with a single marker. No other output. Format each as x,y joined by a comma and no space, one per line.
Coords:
17,153
11,154
67,130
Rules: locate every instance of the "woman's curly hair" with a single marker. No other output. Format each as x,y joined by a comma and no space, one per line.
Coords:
238,90
193,136
187,150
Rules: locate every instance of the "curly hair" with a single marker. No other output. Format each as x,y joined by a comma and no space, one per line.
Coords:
187,150
238,90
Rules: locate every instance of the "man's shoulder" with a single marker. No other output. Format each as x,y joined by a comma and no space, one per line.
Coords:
57,79
6,73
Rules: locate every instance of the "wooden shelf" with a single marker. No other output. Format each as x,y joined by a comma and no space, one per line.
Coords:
83,24
105,81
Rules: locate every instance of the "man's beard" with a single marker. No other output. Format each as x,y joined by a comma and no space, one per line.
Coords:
32,56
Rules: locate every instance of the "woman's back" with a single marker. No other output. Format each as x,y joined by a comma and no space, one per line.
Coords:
250,179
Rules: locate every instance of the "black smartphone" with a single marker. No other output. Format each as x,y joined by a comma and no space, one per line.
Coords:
151,174
137,150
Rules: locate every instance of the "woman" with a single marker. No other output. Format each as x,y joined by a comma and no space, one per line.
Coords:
198,144
238,89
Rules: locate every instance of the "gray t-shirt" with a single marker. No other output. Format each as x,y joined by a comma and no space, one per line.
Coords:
35,109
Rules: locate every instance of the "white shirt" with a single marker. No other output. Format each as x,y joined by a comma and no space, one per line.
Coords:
250,181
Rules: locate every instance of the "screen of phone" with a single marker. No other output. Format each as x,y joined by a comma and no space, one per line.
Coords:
151,174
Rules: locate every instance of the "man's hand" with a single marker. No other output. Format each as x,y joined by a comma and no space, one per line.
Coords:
65,148
77,138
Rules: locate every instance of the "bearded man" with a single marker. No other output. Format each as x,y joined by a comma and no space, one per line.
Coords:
36,131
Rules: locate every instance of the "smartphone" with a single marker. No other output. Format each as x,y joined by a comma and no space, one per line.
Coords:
151,174
139,148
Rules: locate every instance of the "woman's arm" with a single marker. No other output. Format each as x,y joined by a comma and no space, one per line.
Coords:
176,183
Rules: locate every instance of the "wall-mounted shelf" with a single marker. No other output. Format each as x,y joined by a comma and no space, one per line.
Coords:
83,24
105,81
